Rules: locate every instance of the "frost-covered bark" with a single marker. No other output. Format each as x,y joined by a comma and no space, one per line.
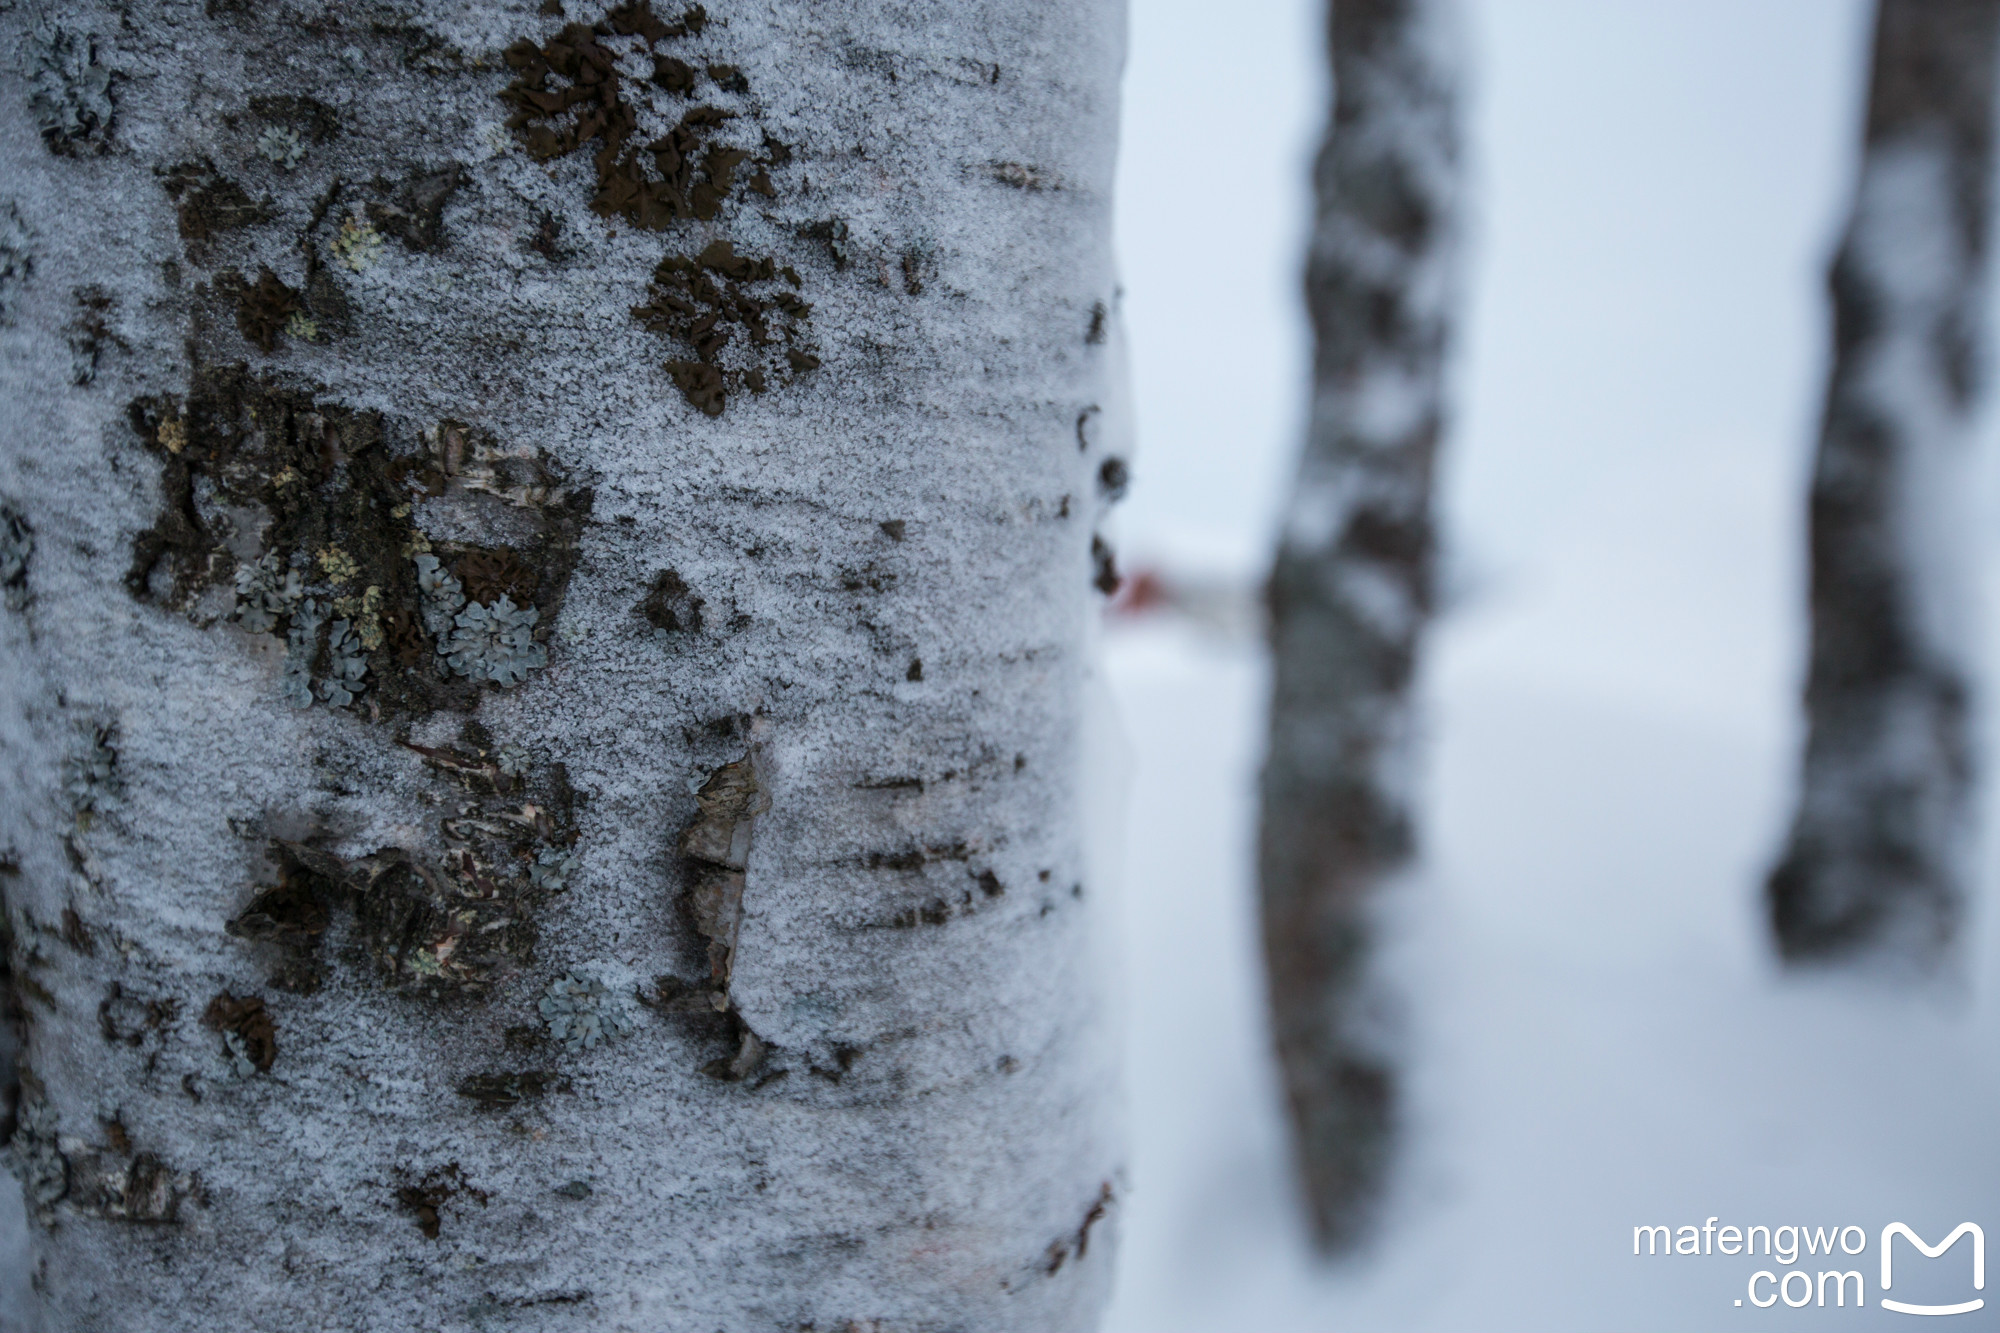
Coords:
546,567
1880,856
1352,586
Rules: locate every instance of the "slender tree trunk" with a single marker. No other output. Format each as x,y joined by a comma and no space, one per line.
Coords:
1880,857
546,562
1351,590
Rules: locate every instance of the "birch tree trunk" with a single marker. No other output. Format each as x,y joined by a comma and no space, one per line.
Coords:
547,558
1351,590
1880,856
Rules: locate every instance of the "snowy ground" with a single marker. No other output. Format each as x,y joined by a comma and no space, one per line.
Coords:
1601,1040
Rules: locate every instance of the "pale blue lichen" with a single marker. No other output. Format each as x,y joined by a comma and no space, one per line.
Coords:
443,596
581,1012
513,759
348,664
301,647
551,869
495,643
281,145
266,592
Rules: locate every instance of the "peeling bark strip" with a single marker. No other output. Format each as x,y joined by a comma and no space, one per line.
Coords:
717,844
1880,859
442,435
1351,589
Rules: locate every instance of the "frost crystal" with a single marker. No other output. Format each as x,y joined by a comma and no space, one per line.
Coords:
266,592
443,596
349,665
358,245
282,145
551,869
301,647
90,775
581,1012
495,643
72,99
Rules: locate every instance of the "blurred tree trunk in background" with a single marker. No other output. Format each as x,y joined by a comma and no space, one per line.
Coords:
1880,857
546,568
1351,590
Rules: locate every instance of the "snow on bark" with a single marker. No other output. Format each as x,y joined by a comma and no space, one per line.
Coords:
1881,852
1352,588
543,664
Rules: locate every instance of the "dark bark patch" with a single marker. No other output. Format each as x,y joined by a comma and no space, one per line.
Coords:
1105,562
250,1023
208,203
90,333
1078,1243
340,488
262,308
414,210
671,605
311,118
425,1200
502,1091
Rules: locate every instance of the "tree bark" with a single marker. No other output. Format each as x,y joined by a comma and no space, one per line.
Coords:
1351,590
1881,853
547,562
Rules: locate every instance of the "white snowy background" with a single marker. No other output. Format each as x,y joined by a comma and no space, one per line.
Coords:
1601,1039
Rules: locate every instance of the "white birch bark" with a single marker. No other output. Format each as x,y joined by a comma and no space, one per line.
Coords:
708,950
1351,591
1881,854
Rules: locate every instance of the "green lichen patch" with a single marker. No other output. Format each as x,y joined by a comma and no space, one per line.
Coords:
718,297
342,573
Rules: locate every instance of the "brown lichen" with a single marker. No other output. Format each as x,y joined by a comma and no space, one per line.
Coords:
569,92
705,303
